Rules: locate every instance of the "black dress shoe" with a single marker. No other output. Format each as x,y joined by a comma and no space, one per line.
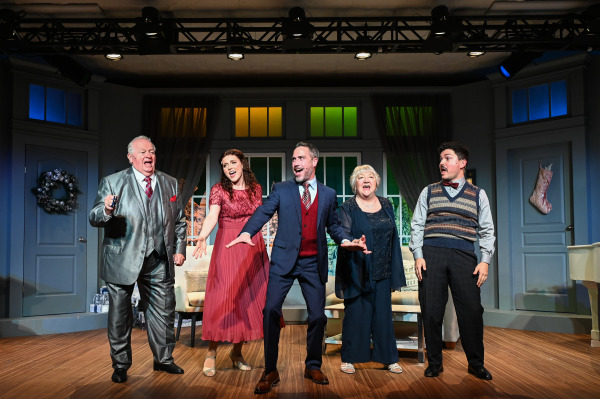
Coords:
170,368
433,370
480,372
119,375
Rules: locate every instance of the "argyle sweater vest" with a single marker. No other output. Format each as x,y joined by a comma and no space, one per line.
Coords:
308,246
452,222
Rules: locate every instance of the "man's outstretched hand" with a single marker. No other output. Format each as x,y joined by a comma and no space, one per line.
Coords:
358,244
244,237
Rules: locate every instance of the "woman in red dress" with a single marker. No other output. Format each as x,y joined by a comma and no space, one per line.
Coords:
237,276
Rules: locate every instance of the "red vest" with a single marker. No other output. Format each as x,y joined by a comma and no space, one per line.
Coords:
308,246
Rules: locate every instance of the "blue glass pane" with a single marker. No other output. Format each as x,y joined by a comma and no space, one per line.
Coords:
519,106
36,102
539,102
349,164
319,170
558,92
55,105
74,109
275,172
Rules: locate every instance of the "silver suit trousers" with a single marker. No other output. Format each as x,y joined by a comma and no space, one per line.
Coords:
157,293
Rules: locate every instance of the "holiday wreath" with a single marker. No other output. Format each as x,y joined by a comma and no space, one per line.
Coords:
50,181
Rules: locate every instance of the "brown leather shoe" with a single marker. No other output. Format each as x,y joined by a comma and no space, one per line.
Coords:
267,381
316,376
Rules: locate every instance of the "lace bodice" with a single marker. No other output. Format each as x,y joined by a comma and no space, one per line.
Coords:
240,207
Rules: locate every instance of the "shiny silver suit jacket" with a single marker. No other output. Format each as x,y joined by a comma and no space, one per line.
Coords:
125,240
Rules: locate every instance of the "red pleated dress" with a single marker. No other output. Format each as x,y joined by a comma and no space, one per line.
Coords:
237,277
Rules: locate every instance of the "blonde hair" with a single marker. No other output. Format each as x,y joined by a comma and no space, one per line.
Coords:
360,169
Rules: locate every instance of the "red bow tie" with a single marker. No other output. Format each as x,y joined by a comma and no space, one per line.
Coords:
449,183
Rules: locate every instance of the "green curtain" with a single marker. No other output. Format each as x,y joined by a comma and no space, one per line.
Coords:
411,128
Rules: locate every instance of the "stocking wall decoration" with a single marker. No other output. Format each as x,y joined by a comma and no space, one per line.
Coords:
538,197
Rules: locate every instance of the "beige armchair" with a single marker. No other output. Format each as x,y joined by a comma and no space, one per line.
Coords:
190,284
405,308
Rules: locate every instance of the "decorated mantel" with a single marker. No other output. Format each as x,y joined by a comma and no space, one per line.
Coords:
584,265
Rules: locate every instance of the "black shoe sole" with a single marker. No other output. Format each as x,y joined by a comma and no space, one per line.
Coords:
308,377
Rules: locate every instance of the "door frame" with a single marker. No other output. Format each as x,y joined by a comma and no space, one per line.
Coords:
572,132
30,133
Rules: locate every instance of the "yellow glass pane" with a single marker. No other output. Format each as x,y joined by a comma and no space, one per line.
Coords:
258,122
275,122
241,122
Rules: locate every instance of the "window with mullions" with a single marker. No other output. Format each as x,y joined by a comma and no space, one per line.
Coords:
334,170
543,101
258,122
55,105
268,169
391,191
197,209
333,122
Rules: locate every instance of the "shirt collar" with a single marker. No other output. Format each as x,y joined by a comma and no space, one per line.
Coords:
312,183
139,176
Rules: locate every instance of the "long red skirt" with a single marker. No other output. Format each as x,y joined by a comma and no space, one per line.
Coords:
236,288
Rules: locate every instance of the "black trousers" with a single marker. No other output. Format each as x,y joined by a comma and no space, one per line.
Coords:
369,317
454,268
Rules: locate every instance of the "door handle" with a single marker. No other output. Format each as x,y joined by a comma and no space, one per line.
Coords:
81,239
569,228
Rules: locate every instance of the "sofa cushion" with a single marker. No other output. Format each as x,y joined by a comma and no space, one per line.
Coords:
196,280
412,282
196,298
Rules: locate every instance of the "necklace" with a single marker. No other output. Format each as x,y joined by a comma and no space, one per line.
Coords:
367,205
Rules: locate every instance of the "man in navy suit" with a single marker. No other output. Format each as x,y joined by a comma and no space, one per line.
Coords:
306,209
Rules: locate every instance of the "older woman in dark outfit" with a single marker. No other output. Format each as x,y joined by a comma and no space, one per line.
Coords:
365,281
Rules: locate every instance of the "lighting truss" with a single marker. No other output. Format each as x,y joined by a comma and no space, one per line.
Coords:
36,36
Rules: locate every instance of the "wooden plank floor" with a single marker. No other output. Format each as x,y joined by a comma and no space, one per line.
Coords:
77,365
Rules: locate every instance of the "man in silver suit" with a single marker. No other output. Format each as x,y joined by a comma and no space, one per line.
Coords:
144,238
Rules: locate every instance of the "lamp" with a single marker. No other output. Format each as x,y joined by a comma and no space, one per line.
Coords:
9,23
150,33
235,53
111,46
440,21
364,50
442,32
515,62
297,31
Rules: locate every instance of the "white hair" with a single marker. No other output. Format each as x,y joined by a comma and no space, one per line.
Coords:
360,169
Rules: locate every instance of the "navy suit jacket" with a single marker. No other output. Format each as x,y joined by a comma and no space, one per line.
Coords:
285,198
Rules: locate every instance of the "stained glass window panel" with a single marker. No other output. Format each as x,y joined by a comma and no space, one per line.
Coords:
333,122
350,122
241,122
36,102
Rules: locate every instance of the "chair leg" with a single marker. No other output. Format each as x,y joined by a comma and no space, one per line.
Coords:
178,326
193,329
420,338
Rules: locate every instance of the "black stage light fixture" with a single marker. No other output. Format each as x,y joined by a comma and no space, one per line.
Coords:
516,61
297,31
150,33
235,53
69,68
366,48
442,32
9,23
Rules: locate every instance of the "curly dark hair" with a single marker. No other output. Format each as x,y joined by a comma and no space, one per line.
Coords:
249,178
461,151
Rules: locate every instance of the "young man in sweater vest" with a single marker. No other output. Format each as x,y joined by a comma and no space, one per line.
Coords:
450,216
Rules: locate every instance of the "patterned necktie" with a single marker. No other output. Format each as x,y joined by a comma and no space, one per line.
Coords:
149,191
306,196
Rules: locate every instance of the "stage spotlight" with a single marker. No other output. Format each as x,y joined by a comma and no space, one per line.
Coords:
366,49
440,21
297,31
235,53
590,18
150,33
9,23
515,62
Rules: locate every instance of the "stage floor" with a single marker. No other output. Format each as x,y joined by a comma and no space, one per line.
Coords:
524,365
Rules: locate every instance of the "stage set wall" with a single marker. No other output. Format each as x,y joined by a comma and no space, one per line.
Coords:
115,116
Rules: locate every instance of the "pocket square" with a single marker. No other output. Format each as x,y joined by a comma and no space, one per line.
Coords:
173,198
